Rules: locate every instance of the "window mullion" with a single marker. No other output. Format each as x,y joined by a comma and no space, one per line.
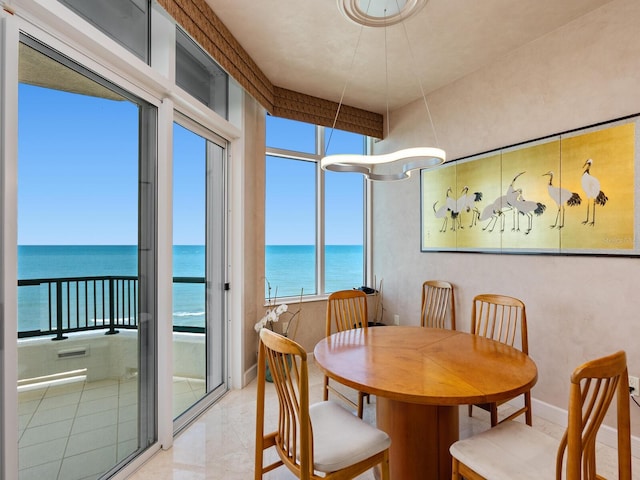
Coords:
367,236
320,240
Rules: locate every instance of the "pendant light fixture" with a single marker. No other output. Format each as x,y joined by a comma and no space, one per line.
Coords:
396,165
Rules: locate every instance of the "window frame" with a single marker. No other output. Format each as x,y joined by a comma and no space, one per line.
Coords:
216,272
320,151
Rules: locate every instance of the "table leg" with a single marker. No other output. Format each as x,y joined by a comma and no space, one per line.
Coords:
420,438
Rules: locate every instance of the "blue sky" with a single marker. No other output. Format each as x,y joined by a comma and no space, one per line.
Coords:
290,205
189,188
78,172
77,169
78,175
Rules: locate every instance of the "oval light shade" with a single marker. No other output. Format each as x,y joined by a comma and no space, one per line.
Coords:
397,165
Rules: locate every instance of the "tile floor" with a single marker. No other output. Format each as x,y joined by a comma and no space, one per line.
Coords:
220,444
78,430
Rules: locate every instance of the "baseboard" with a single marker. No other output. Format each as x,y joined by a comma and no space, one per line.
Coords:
607,435
250,375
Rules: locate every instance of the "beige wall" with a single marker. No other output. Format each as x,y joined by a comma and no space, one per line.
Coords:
253,230
312,319
578,307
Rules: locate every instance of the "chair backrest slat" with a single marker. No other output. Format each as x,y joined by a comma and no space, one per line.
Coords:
437,303
287,363
593,387
500,318
346,310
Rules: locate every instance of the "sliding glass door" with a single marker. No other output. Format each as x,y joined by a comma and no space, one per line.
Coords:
198,270
86,270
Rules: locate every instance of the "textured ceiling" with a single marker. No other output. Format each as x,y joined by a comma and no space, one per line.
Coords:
308,45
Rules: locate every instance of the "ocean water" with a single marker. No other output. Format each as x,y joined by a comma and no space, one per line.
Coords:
289,268
61,261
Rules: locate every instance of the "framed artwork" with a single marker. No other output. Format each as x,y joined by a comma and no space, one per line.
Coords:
571,193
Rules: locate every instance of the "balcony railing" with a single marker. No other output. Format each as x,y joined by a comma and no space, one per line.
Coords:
79,304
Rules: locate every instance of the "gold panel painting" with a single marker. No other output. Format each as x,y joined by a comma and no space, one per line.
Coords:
573,193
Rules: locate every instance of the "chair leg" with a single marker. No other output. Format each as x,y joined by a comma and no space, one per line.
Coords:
455,475
528,414
325,390
471,410
384,467
360,404
494,414
461,471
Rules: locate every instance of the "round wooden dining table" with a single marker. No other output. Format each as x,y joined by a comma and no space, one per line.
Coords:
420,376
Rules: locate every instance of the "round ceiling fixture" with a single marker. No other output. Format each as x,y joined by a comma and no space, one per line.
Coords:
380,13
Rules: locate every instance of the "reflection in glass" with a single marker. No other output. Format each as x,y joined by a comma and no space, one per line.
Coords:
80,396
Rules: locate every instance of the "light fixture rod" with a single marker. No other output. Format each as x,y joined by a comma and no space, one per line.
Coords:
386,75
415,73
346,84
391,166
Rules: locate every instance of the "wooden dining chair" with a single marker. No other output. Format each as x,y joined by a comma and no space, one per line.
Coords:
503,319
319,441
516,451
346,310
437,304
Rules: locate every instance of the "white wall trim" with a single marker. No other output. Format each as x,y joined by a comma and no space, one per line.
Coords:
8,244
235,253
165,274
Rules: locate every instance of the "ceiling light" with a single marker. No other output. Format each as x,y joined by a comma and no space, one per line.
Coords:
396,165
379,13
399,164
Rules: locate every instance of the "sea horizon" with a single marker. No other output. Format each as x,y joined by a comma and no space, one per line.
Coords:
288,268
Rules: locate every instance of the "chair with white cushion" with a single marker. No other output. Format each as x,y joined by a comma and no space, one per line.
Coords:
515,451
319,441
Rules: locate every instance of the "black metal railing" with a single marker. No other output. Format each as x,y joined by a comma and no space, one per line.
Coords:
78,304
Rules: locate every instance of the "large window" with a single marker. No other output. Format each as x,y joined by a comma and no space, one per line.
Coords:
314,220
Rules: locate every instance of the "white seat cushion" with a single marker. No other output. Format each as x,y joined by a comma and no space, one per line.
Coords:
341,439
509,451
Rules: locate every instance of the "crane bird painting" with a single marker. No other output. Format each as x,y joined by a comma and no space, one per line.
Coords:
443,211
453,207
503,201
562,197
495,211
527,208
466,203
591,187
